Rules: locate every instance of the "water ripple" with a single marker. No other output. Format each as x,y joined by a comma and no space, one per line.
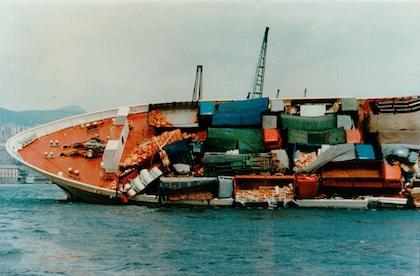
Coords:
41,233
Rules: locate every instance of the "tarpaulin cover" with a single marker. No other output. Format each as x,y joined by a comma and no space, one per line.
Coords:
308,123
332,136
178,152
240,113
247,140
259,104
337,153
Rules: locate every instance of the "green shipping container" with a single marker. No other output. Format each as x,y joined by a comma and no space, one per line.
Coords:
332,136
226,164
297,136
308,123
247,140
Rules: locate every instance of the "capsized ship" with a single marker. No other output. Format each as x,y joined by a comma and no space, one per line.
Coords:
307,152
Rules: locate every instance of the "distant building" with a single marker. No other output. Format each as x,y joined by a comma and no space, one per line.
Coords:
10,175
33,177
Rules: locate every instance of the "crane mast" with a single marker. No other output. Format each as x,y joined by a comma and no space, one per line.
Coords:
258,83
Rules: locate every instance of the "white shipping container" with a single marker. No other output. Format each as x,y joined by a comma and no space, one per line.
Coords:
269,121
225,186
312,110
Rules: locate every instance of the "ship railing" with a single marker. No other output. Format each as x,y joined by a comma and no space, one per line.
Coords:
26,137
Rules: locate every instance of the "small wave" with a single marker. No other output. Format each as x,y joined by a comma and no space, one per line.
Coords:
9,253
39,231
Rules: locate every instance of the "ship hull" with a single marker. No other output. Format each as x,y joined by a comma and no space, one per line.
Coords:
74,194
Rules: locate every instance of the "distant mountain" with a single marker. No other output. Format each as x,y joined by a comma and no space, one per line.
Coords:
36,117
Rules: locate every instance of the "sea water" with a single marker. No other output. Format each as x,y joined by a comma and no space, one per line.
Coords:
42,233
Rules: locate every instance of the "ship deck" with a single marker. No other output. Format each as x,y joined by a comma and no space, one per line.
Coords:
89,168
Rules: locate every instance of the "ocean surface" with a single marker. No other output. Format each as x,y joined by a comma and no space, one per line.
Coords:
42,233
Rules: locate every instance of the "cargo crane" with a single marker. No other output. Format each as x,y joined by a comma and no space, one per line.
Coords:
258,83
198,84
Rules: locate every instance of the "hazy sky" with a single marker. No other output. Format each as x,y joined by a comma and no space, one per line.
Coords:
99,54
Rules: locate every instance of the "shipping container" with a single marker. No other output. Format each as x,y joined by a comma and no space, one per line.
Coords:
297,136
349,104
345,121
177,114
259,190
276,105
391,172
360,175
225,186
175,183
312,110
331,136
364,152
226,164
206,108
240,113
271,136
353,169
233,119
269,121
272,139
354,136
231,164
308,123
259,104
307,186
247,140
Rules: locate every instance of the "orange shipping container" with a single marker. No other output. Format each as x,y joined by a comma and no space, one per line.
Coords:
354,136
391,172
271,135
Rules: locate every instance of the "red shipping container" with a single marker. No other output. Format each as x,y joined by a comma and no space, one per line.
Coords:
354,136
271,135
393,184
202,135
391,172
307,186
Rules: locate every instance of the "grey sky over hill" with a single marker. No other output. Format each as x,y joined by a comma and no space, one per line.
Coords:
99,54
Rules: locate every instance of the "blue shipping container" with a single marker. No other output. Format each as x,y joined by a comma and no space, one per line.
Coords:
240,113
206,108
249,118
259,104
365,152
